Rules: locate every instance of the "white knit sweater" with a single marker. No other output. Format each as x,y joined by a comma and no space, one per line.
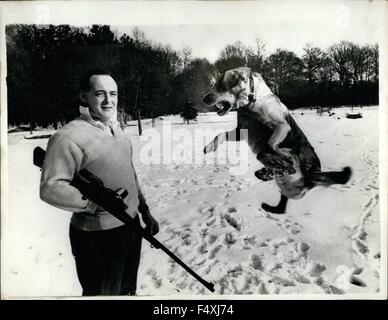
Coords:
103,150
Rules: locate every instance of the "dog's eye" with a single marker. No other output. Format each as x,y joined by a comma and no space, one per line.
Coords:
234,81
220,85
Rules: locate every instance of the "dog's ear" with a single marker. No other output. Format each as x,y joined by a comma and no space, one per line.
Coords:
243,72
234,77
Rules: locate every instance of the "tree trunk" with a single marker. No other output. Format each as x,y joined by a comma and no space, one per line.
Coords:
32,125
136,108
139,122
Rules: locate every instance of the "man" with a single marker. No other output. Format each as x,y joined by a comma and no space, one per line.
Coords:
106,252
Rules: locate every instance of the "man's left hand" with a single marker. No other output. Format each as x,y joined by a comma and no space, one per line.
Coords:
152,226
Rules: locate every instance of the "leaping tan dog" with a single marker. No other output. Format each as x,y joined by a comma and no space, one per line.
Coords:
273,135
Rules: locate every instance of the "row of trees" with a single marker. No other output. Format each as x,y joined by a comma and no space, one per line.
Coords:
344,74
45,63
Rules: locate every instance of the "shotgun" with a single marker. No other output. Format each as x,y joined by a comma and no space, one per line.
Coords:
93,188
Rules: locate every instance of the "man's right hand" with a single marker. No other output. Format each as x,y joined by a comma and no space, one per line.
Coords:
91,207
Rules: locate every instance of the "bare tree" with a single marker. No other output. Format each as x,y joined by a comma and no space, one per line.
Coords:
256,56
237,49
357,59
371,67
186,56
138,36
339,55
282,66
232,56
312,62
325,72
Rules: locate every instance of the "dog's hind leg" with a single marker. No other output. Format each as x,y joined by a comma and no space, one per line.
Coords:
279,209
328,178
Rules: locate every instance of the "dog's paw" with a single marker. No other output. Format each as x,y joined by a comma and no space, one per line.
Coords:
265,174
278,162
290,170
284,166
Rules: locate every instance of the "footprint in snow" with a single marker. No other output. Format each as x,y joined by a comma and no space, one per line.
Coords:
256,262
203,232
301,278
208,210
315,269
210,222
368,204
210,266
186,242
250,241
186,234
291,228
212,238
294,231
202,249
232,221
357,281
214,252
360,247
302,247
229,239
335,290
283,281
349,276
270,216
156,280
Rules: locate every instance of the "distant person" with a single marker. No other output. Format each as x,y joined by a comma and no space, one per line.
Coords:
106,252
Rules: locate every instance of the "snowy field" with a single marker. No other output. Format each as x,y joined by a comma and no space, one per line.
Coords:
327,243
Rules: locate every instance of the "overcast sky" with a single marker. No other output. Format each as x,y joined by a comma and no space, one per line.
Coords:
288,25
207,26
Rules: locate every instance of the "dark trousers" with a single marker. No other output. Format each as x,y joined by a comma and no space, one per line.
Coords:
107,261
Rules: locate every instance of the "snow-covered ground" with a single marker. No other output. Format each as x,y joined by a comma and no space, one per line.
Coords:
327,243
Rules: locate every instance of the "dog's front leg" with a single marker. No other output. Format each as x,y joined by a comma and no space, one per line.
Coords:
232,135
280,158
279,134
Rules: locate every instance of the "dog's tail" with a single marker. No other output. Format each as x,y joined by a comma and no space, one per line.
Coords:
329,178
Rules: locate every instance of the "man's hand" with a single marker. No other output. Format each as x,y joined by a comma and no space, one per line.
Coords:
91,207
152,226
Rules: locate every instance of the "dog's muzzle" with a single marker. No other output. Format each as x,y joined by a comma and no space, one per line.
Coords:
209,99
223,107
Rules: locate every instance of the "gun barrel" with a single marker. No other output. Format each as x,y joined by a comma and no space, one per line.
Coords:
157,244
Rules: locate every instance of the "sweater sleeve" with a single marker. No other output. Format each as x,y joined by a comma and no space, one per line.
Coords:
63,159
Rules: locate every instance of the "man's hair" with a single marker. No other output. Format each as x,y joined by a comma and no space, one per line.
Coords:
85,80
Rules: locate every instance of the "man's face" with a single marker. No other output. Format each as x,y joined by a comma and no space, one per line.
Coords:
101,97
